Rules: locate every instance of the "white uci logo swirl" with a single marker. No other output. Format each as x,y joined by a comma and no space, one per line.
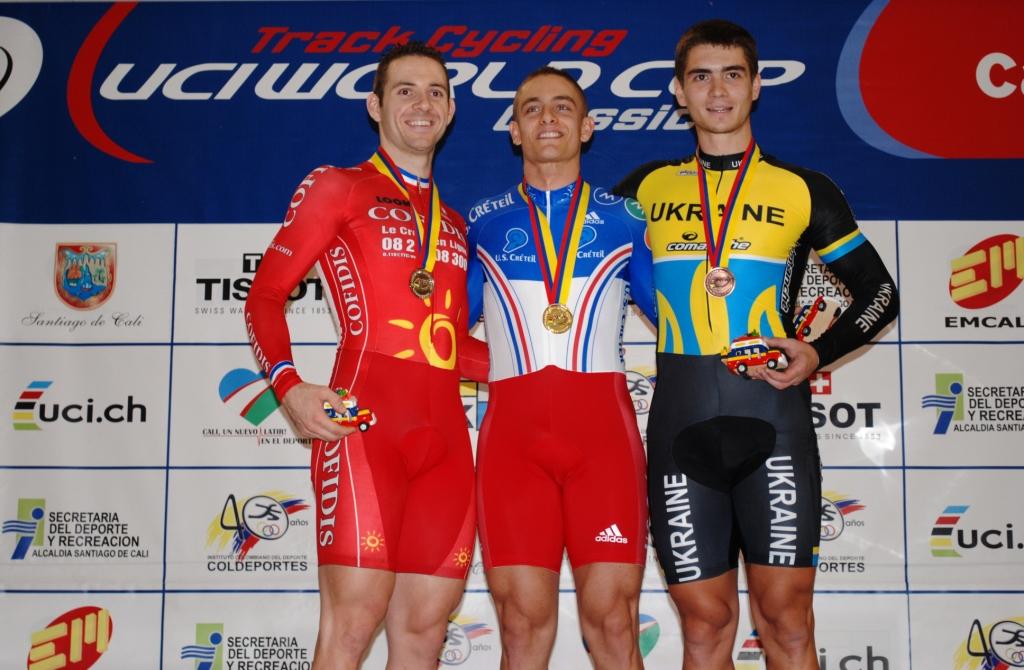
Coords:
21,58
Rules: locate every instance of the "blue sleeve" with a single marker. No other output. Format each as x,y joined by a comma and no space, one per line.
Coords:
474,276
641,263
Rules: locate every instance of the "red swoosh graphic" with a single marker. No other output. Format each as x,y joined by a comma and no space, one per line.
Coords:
80,84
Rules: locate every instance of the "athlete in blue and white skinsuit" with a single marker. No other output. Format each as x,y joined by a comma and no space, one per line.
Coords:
560,463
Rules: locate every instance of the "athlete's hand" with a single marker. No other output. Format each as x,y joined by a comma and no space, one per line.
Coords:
803,361
305,406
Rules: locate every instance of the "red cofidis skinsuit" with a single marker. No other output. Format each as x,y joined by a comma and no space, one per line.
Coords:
399,496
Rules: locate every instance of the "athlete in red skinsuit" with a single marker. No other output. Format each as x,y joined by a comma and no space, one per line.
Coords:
395,512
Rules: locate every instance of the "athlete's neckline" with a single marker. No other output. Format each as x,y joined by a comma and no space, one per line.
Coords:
556,193
720,163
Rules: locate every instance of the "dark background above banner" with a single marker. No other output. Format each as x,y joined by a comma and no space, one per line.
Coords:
203,112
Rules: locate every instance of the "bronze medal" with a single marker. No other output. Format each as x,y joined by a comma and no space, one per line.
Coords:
719,282
557,318
421,283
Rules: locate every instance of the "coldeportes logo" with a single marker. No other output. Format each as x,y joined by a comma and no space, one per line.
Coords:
947,400
947,538
462,639
988,272
980,69
640,385
28,527
29,410
997,646
21,59
249,393
835,509
74,640
207,650
265,516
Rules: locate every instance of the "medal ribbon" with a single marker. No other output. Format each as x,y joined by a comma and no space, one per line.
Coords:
555,267
429,229
716,244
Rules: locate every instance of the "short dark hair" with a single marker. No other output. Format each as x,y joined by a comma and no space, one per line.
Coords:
719,33
413,48
544,71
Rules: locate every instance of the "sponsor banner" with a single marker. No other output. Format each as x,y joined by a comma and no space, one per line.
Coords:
861,539
965,282
855,408
637,328
227,414
641,377
84,406
96,283
964,405
964,532
244,529
143,85
66,528
819,283
240,631
852,632
858,632
472,640
967,632
100,630
216,264
659,633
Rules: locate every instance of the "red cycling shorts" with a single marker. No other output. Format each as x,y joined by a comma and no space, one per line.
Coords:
560,465
399,496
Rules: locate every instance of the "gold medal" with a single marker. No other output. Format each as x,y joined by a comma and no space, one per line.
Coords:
719,282
557,318
421,283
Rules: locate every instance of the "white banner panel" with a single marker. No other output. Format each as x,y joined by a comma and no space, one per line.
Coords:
225,412
216,264
96,283
964,405
861,539
117,630
967,632
85,406
240,631
241,529
82,529
964,529
962,281
855,407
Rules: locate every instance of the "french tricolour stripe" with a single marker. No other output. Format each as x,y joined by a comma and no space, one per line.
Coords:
589,307
280,368
515,320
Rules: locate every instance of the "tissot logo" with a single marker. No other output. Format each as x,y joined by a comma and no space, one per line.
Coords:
236,288
21,58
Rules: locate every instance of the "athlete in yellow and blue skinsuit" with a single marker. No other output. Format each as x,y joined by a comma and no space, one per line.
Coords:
733,462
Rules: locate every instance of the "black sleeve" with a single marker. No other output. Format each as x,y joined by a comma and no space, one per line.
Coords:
874,301
628,187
